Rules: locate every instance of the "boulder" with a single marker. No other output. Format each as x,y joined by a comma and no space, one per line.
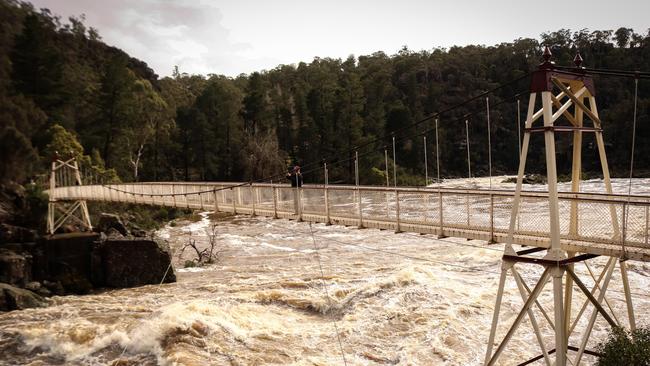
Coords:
33,286
15,268
16,234
113,234
110,221
136,230
66,259
129,263
13,298
53,287
74,282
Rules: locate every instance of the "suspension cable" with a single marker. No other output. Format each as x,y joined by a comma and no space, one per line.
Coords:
327,296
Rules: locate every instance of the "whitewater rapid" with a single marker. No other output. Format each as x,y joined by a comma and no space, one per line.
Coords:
391,299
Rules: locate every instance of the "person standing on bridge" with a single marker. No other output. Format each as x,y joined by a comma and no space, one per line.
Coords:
296,182
295,177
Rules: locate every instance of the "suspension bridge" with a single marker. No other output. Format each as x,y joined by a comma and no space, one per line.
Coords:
558,229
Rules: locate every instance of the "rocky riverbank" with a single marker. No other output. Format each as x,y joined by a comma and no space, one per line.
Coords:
34,267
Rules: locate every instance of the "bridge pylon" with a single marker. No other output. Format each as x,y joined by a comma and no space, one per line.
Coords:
568,104
65,173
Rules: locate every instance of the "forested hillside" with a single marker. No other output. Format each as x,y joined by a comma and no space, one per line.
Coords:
60,84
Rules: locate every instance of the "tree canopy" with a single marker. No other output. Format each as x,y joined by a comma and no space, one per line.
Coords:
59,76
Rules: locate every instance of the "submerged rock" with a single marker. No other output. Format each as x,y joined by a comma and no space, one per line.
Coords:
129,263
13,298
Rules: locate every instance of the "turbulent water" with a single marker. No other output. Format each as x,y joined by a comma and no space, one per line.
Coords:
287,293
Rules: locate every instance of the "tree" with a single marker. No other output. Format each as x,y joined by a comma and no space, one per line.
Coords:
148,120
255,110
63,143
116,86
625,348
18,155
265,158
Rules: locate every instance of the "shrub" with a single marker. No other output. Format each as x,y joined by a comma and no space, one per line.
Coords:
625,348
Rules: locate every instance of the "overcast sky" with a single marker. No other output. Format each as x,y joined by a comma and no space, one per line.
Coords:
242,36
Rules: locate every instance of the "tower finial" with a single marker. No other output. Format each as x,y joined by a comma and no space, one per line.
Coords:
547,54
547,64
577,60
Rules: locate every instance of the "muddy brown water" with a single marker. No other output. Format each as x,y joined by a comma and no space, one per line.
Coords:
394,299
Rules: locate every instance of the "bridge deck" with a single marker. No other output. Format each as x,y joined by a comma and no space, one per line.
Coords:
610,225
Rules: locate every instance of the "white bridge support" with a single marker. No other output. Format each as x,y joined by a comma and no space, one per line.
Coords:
65,173
558,262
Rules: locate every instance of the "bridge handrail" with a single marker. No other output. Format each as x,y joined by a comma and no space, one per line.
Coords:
581,196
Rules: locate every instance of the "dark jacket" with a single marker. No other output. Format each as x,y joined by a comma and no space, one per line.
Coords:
296,179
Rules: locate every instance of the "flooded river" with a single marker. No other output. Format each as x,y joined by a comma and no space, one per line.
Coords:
290,293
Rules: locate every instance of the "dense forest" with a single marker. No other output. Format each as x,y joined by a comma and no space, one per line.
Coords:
63,89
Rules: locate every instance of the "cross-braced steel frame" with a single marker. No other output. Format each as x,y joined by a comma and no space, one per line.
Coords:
568,94
65,173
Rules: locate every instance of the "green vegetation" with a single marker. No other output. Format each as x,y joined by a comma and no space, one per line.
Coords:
62,89
625,348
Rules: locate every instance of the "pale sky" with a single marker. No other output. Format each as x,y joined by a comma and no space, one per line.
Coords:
242,36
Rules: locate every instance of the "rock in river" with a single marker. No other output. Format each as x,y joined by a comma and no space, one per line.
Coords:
129,263
13,298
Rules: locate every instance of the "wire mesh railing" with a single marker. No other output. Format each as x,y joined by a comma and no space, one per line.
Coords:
614,220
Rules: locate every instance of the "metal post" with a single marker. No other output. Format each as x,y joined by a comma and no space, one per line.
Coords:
327,196
469,163
52,199
234,200
388,183
440,209
299,203
398,229
555,250
558,309
437,155
254,197
426,179
518,127
487,105
497,308
239,200
358,191
576,170
275,202
628,296
624,229
360,208
356,169
426,166
492,241
386,158
394,166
